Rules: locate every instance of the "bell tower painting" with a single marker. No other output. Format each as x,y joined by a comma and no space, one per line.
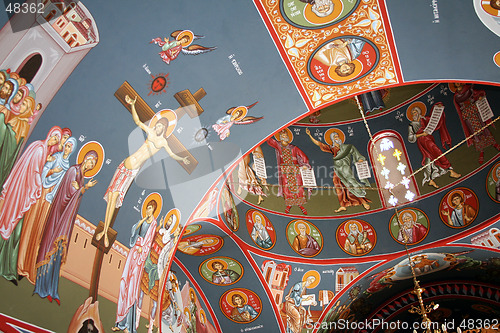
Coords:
46,46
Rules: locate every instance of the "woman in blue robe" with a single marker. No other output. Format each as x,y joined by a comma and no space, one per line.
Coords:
58,167
34,220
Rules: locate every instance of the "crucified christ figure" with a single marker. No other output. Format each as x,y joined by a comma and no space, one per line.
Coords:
129,168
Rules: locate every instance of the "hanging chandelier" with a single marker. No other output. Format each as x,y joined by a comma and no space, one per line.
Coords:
427,325
422,309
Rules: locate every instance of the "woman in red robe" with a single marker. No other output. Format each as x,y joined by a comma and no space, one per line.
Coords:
57,230
24,184
465,99
21,190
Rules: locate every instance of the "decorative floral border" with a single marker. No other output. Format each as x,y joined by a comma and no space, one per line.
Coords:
296,46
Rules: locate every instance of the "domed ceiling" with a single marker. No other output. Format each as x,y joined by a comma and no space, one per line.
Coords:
265,165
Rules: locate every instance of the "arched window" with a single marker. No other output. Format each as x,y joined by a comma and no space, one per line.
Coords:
340,282
70,7
51,15
61,23
283,280
268,274
392,169
72,40
30,67
496,233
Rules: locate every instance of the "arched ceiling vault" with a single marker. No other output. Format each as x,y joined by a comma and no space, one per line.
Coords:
305,157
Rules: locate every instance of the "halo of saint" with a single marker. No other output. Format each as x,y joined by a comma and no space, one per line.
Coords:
98,148
159,202
288,132
167,114
419,105
315,274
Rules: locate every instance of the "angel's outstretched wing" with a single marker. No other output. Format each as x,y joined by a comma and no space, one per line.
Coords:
176,33
230,110
252,105
197,49
248,120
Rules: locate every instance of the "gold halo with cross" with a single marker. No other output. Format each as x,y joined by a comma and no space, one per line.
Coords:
170,116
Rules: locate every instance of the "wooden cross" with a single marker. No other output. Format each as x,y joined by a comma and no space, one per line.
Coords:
188,104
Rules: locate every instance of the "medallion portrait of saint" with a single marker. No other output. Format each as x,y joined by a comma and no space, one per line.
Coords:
260,229
191,229
343,60
221,271
488,12
410,228
199,245
240,305
459,208
304,238
356,237
314,14
493,183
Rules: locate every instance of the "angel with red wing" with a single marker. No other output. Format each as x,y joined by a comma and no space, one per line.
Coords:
182,42
235,115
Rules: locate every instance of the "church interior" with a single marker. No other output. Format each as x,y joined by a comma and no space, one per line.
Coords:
270,165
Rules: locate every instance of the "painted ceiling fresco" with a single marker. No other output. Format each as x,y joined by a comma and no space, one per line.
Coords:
263,165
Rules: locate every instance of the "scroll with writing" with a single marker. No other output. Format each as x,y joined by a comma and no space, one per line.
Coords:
437,112
363,170
308,178
484,109
259,165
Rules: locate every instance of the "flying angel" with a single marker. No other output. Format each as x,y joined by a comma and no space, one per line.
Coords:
235,115
182,42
